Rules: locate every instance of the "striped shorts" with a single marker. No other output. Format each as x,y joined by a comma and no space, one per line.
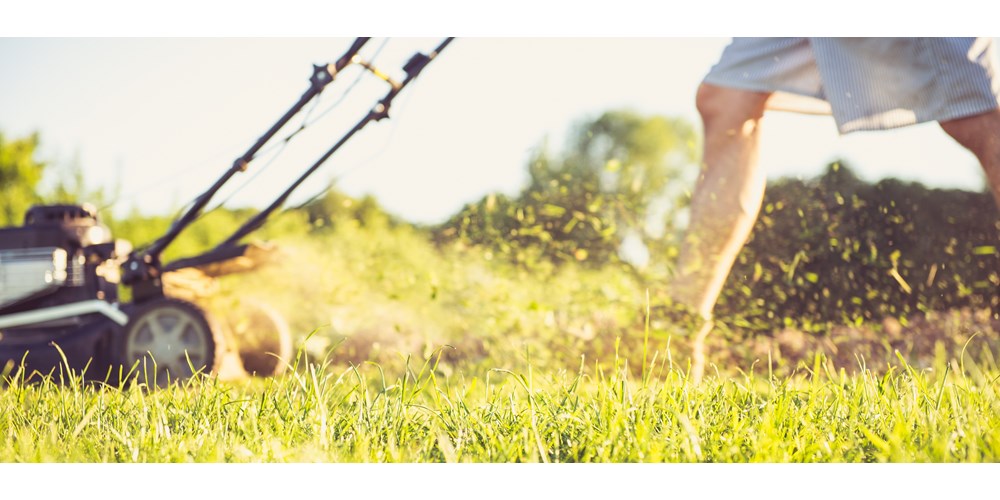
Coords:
866,83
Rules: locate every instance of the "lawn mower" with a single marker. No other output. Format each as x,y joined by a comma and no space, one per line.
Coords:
61,273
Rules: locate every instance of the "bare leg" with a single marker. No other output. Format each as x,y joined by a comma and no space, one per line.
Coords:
981,135
725,203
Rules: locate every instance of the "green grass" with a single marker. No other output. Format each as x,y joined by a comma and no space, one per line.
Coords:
364,414
420,354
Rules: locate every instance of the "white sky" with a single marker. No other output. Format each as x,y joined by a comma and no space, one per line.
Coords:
163,118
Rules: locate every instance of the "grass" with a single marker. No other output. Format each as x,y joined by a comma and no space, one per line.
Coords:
950,413
424,354
421,354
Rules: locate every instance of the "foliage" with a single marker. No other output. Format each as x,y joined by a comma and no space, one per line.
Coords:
374,293
334,206
205,233
838,249
20,173
71,187
618,177
23,181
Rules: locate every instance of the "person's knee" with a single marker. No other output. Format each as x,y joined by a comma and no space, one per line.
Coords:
980,134
720,104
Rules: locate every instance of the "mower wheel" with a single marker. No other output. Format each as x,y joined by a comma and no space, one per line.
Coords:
167,340
261,336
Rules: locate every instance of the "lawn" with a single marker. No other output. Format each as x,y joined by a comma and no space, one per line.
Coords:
411,353
366,414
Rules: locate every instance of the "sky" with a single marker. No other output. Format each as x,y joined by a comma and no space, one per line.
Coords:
159,119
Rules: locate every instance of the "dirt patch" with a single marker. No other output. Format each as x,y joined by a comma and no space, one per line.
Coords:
922,341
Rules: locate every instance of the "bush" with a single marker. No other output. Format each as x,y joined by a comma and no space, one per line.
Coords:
836,248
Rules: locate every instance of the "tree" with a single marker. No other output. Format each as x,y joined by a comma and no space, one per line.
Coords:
622,174
20,174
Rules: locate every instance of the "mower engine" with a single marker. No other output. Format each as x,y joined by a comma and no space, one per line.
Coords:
59,287
60,311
